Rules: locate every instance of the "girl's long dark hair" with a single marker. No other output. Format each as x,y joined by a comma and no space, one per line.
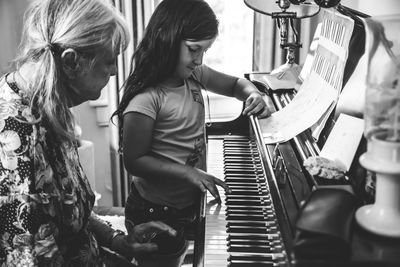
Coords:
156,56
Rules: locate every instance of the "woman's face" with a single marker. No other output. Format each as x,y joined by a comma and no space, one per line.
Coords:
93,77
191,56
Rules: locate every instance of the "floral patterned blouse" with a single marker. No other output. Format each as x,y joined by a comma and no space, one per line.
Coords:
45,198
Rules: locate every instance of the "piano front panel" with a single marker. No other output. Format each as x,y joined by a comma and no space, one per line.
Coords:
243,230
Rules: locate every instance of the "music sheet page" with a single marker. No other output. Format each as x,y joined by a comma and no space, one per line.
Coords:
343,140
304,110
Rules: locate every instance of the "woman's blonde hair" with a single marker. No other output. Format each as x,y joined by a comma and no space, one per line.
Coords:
50,27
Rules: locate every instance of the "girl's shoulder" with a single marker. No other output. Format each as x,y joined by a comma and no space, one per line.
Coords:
200,75
149,95
156,91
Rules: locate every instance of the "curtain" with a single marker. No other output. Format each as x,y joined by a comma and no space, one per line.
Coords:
137,13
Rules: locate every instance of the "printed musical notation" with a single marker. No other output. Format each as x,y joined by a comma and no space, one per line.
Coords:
318,94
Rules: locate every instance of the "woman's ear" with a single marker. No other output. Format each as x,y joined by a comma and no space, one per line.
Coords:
70,63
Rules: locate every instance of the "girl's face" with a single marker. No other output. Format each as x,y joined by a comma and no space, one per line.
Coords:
94,77
191,56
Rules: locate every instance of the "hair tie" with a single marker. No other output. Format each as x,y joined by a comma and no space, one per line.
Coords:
51,47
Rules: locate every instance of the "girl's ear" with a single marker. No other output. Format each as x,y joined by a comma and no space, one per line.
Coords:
70,63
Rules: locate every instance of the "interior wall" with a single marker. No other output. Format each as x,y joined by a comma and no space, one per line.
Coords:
94,130
10,30
373,7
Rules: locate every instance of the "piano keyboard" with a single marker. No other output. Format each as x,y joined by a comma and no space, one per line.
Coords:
243,230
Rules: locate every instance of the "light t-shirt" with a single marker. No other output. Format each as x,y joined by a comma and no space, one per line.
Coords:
178,135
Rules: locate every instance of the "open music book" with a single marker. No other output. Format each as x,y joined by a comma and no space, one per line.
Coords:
318,94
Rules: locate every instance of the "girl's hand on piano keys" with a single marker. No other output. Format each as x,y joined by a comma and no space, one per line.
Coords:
205,181
256,105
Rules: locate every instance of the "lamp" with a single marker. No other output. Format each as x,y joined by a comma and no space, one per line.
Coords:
382,125
284,12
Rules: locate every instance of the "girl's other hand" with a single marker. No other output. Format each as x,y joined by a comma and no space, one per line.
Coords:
255,105
205,181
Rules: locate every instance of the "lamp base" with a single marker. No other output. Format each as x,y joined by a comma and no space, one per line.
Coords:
379,220
383,158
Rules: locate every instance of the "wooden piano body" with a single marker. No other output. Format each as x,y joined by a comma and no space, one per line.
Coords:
233,234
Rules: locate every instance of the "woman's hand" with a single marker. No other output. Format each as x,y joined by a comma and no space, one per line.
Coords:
205,181
255,105
139,240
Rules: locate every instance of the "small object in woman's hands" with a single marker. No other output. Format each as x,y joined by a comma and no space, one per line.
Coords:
148,237
325,168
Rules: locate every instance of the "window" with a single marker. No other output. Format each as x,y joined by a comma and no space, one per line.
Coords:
231,53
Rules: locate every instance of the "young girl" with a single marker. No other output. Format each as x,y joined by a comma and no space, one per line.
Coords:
163,120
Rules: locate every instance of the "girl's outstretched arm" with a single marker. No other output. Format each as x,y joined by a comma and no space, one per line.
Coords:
239,88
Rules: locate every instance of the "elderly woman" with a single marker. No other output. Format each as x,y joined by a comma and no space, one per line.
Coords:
68,53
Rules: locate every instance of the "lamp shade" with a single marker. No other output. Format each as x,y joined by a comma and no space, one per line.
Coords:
269,7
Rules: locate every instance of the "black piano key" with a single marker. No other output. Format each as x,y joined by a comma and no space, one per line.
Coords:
250,258
264,212
250,249
241,157
250,264
247,177
241,151
243,176
245,217
242,203
238,153
234,168
243,186
247,202
232,207
251,230
240,160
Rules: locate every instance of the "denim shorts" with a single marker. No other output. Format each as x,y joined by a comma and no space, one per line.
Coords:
138,210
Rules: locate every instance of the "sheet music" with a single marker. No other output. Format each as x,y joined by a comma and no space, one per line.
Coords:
318,94
302,112
343,140
335,34
305,71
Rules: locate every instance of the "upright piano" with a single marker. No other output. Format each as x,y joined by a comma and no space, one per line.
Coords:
255,225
